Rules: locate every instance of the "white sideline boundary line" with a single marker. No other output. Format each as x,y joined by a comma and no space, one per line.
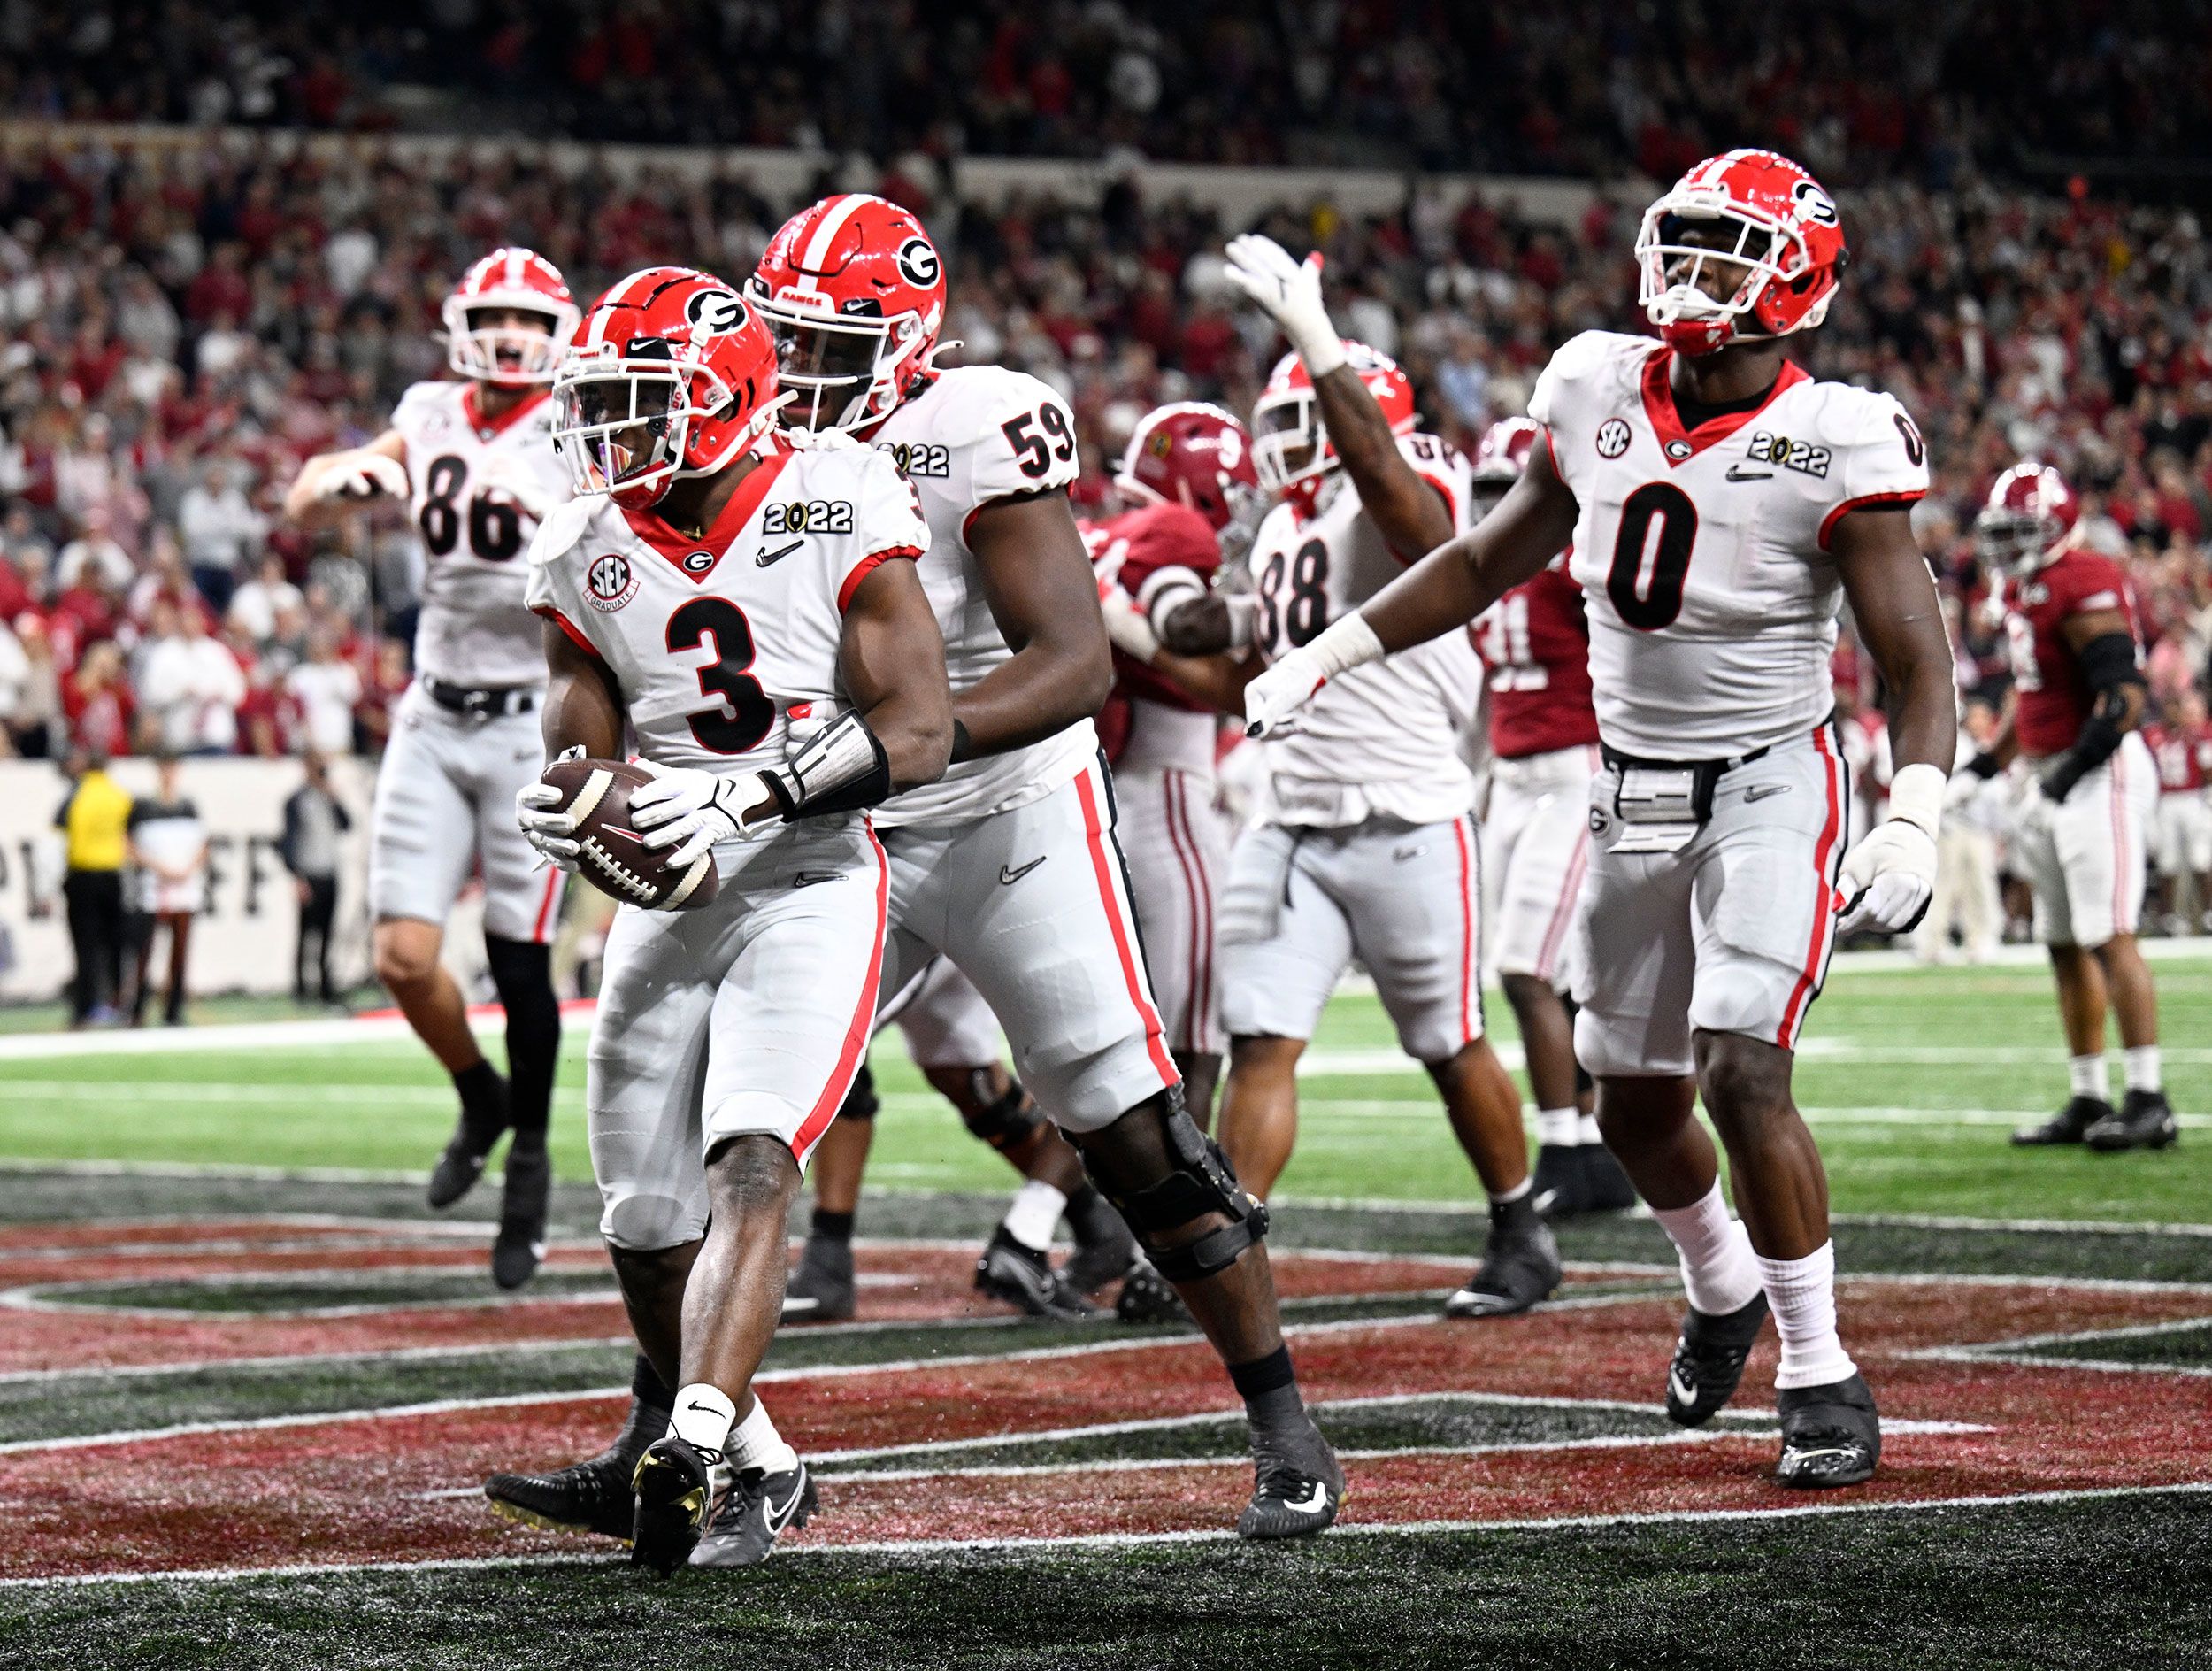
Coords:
1131,1540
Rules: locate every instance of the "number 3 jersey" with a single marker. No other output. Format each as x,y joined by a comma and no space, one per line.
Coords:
1703,553
1382,739
972,435
713,641
474,628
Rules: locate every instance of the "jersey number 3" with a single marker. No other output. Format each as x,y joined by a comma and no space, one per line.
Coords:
751,713
1648,601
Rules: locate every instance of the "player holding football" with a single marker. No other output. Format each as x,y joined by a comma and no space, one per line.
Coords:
2088,792
1535,647
1365,844
714,580
1721,504
1008,865
473,460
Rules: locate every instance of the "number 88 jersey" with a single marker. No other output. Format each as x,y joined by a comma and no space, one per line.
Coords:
1382,739
1703,553
474,628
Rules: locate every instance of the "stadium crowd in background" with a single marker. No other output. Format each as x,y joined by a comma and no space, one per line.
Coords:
180,324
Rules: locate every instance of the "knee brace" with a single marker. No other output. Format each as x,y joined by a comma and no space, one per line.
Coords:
1005,1124
860,1102
1197,1180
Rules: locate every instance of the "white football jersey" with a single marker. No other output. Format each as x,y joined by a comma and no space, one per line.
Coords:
473,628
713,640
1703,554
979,433
1383,738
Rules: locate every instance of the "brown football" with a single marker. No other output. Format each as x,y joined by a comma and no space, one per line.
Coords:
596,794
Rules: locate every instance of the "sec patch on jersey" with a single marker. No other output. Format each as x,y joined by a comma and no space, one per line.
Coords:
613,857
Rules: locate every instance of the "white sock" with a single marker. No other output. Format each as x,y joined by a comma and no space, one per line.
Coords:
2087,1073
2141,1068
757,1445
1034,1215
1802,1293
702,1416
1555,1127
1718,1272
1586,1133
1514,1194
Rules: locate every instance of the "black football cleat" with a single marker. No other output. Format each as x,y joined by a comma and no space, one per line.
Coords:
2145,1119
1147,1296
1023,1278
1557,1187
2070,1124
1520,1268
519,1247
820,1288
674,1484
1108,1257
1295,1497
757,1509
1605,1185
462,1163
1831,1436
593,1496
1709,1360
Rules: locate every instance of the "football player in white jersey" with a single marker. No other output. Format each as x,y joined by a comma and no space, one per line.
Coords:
473,458
1722,506
712,580
1365,844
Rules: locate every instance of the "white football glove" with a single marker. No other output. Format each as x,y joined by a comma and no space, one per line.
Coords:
1126,626
1889,877
365,475
550,832
689,809
1290,291
1272,699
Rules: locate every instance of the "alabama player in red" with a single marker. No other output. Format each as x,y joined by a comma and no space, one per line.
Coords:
1535,647
472,458
2089,786
2181,748
712,580
1721,505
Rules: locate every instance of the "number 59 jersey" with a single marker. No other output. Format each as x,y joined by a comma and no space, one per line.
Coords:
1704,553
713,641
474,628
1381,739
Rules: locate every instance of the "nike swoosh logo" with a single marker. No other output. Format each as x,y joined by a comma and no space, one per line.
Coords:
1760,791
778,554
778,1516
809,878
1317,1499
1008,878
1683,1391
696,1404
1737,473
1401,854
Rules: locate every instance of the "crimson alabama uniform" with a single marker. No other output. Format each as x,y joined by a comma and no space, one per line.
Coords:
1176,837
751,1013
1535,649
2085,857
1365,842
466,737
1718,823
2183,759
1008,864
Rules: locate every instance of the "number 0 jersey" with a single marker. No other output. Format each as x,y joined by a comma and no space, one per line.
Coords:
713,641
1382,738
473,628
976,433
1703,553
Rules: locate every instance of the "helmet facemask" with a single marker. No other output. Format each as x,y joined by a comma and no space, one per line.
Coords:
507,344
1691,244
1289,443
842,371
621,422
2014,542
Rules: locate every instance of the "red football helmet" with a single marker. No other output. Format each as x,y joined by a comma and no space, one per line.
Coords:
1190,453
1503,452
509,280
1747,214
1290,446
2029,513
670,375
855,293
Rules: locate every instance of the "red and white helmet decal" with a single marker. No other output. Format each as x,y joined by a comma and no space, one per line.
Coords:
1290,445
484,342
1746,245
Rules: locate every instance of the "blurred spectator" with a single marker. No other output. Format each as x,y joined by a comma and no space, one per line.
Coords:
93,818
219,527
190,685
314,819
326,690
94,556
168,845
98,704
257,606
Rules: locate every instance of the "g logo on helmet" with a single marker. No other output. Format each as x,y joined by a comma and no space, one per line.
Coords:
918,263
716,312
1813,204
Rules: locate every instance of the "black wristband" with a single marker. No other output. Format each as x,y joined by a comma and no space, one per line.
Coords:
960,744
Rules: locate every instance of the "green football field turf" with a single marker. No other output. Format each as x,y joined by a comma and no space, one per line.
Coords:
1911,1078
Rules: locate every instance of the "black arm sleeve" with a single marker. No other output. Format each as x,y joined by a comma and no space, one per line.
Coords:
2108,662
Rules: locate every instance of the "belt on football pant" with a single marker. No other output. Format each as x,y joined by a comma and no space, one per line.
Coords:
482,702
1705,775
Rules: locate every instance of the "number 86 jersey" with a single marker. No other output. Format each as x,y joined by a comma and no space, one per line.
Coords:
1704,552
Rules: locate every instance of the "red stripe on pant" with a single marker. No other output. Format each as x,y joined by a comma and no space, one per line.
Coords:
858,1032
542,930
1125,941
2116,786
1823,907
1470,976
1192,857
1563,913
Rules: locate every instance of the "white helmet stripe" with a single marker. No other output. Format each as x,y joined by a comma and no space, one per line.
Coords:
825,230
597,335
